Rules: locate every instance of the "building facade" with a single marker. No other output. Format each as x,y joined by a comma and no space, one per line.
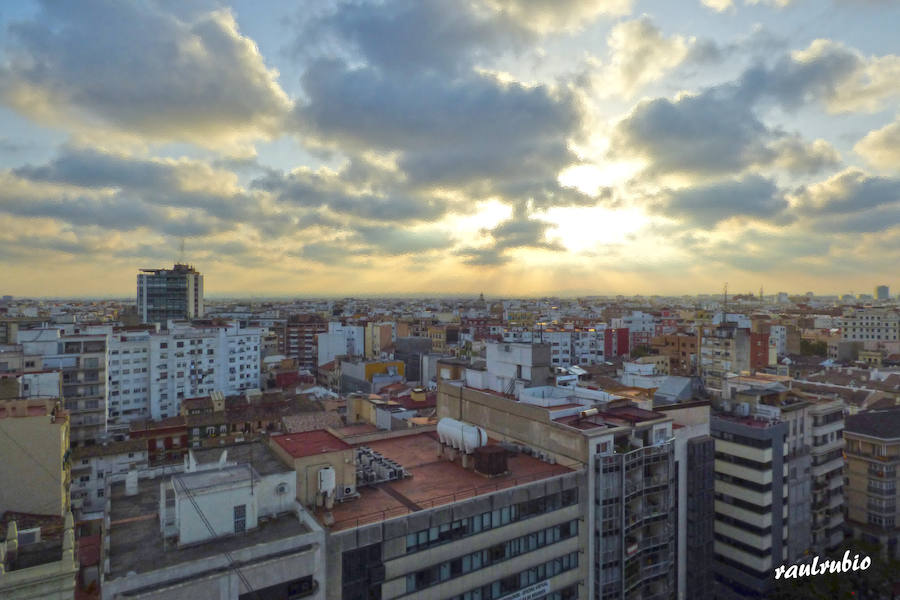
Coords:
164,294
872,448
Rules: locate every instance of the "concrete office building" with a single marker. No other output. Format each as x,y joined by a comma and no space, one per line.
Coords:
633,459
872,448
164,294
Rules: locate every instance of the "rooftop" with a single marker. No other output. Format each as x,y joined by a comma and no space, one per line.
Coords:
435,481
883,424
211,479
257,454
748,421
136,542
309,443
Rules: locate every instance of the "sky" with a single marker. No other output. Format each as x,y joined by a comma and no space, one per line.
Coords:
511,147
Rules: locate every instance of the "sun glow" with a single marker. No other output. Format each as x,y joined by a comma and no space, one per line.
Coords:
586,228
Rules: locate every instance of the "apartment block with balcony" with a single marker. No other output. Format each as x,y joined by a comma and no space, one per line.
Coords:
82,361
872,450
827,472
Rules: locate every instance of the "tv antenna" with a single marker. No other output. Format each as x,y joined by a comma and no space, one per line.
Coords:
181,252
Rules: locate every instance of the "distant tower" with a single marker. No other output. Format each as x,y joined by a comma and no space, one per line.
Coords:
164,294
882,292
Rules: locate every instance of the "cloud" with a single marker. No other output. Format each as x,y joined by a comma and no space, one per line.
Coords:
336,191
409,36
848,192
707,205
487,130
162,182
545,16
830,72
145,72
641,54
795,156
718,5
394,241
710,133
881,147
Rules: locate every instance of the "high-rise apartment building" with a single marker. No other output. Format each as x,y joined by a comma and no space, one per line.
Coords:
882,292
872,448
730,350
164,294
778,485
751,504
82,360
297,338
151,372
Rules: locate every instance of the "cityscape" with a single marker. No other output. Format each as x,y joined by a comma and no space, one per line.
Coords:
422,299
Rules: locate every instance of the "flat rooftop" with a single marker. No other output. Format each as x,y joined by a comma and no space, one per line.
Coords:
256,453
212,479
435,481
136,542
309,443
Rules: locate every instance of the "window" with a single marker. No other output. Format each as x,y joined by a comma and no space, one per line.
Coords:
240,518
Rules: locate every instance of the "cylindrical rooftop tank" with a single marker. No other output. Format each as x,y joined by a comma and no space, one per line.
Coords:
326,480
461,436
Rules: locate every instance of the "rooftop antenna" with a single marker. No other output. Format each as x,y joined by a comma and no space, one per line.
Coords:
760,295
181,252
725,304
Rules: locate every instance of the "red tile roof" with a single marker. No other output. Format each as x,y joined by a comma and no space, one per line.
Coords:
310,443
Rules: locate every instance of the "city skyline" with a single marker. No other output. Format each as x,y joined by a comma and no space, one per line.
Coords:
510,147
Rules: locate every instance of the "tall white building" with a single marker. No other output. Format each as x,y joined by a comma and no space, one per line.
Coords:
341,340
151,372
778,339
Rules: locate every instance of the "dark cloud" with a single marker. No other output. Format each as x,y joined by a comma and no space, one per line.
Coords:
145,71
409,36
312,189
523,231
848,193
708,204
190,184
110,213
718,131
449,132
482,257
710,133
386,240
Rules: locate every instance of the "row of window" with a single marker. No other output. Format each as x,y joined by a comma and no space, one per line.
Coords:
513,583
434,536
483,559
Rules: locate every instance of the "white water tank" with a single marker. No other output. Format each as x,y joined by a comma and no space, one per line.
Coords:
326,480
461,436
